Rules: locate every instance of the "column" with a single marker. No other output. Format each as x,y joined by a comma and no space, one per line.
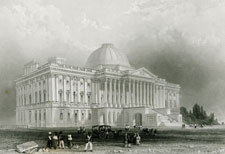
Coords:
78,89
92,91
46,89
119,94
42,90
177,100
38,90
155,96
159,96
85,90
137,89
133,95
110,92
151,94
105,96
164,97
71,89
141,95
50,93
144,96
32,92
115,92
147,101
56,88
99,92
64,88
129,93
123,94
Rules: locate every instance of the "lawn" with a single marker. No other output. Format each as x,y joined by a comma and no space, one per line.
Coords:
188,140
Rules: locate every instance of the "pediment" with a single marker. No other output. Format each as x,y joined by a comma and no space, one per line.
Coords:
143,72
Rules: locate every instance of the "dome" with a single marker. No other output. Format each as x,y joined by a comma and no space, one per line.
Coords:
107,54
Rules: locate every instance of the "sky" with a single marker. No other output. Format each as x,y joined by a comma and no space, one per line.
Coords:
182,41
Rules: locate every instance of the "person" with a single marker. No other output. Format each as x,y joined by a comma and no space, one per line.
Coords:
129,140
61,140
195,125
134,138
127,127
126,140
88,142
69,141
55,140
107,134
49,143
138,139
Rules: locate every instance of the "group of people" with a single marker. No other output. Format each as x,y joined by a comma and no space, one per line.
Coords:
129,139
56,141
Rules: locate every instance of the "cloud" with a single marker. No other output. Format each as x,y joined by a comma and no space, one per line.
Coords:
87,23
30,30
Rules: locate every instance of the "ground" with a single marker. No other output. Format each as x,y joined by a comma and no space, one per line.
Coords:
209,140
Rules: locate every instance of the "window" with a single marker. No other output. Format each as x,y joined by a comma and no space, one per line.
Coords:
44,96
88,84
36,97
44,115
75,115
83,115
40,115
39,96
68,116
81,83
81,98
24,99
68,96
74,96
35,116
60,96
61,115
89,114
30,99
89,98
67,82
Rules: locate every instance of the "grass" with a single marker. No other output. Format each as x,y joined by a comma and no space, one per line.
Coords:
211,135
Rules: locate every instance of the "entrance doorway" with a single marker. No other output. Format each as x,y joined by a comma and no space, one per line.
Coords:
138,119
102,119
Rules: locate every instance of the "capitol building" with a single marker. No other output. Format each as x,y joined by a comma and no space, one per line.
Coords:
107,90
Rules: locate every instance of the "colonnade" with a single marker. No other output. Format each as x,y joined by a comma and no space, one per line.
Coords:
133,93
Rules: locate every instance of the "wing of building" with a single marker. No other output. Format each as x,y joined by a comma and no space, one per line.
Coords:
106,91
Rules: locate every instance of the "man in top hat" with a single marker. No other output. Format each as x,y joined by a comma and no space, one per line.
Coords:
49,143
